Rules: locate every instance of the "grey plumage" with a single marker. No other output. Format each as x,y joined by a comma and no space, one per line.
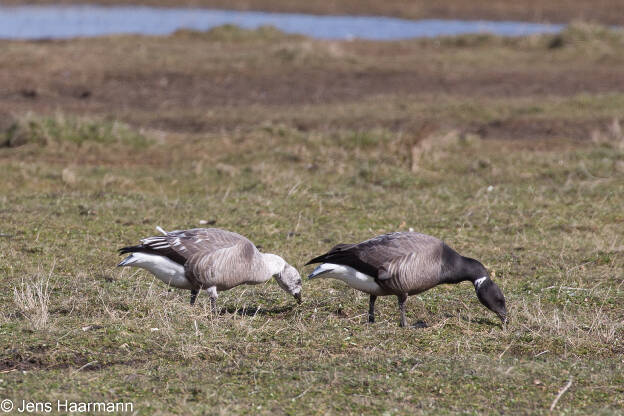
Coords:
212,259
227,267
404,264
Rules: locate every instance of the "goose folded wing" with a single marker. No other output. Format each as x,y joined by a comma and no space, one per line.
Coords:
374,254
158,245
399,255
411,273
366,257
189,242
225,267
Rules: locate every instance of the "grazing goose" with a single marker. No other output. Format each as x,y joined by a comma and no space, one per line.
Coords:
211,259
404,264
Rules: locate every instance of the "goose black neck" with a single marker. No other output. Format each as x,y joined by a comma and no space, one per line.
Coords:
457,268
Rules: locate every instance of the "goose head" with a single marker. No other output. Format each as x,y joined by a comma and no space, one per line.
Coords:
491,296
460,268
287,276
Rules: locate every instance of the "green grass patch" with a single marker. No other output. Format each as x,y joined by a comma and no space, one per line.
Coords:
233,33
61,129
546,223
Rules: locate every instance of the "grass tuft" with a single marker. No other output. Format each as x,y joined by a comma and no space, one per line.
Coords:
233,33
584,34
32,300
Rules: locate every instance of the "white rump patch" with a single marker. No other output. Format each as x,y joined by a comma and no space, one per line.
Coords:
163,268
350,276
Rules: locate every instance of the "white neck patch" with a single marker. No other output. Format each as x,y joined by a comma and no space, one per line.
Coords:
479,281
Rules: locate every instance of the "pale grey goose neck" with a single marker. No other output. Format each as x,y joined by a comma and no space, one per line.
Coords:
210,259
404,264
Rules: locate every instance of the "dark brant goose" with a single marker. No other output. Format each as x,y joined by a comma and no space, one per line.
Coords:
404,264
210,259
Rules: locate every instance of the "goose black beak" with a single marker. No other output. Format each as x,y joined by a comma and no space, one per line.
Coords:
298,297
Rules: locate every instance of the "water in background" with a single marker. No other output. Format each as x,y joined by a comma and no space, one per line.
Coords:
36,22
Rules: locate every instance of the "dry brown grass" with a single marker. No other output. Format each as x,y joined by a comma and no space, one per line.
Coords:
32,300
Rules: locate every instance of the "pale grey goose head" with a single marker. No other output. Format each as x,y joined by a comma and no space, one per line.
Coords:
210,259
404,264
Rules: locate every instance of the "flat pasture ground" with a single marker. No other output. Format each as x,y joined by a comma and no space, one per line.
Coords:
511,150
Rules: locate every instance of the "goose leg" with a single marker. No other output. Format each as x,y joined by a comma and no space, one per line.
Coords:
402,298
194,293
212,292
371,309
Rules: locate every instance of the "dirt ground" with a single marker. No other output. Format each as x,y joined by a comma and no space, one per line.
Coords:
195,83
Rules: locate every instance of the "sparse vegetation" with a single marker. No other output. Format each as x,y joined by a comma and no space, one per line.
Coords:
233,33
529,182
32,300
59,129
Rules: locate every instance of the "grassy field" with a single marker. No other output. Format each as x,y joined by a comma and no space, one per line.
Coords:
512,151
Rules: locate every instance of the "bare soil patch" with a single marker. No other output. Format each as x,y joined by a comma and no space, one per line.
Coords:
178,83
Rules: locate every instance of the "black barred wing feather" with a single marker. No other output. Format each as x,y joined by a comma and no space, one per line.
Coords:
155,245
189,242
180,245
345,254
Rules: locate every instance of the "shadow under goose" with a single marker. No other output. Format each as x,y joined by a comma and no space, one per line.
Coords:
256,310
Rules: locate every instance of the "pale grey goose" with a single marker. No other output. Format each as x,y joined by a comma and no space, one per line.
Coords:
404,264
210,259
